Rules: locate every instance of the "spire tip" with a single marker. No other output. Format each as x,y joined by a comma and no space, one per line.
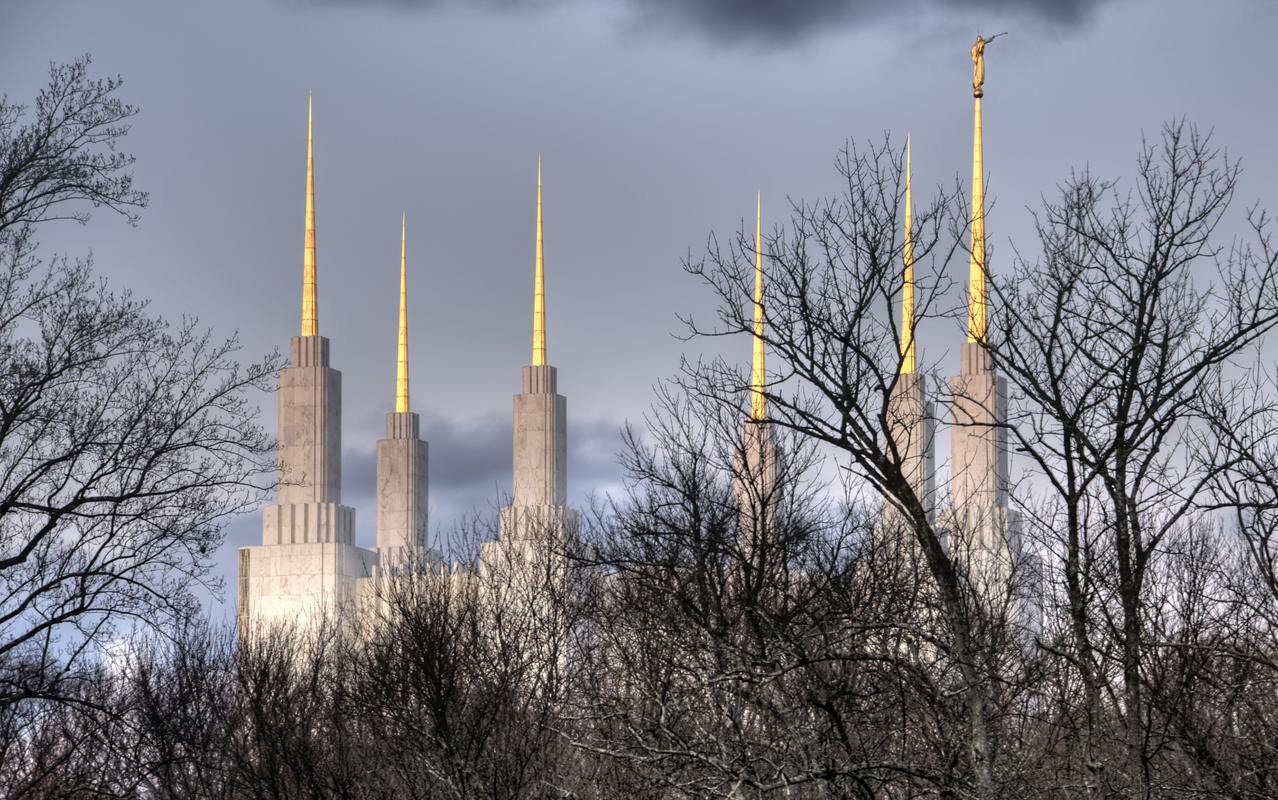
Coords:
758,376
401,364
310,315
539,288
907,287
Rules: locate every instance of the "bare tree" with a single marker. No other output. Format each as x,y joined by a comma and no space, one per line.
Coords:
833,330
65,155
1116,337
828,680
721,631
461,671
126,442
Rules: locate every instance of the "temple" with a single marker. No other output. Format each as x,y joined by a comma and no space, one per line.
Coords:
309,565
308,568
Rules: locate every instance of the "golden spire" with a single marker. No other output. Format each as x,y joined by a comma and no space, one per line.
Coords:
310,315
907,289
401,371
539,289
976,323
758,378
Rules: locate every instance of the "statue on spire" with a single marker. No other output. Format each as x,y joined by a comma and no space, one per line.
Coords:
978,62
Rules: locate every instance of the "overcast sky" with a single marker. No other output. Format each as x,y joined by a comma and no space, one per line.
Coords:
657,119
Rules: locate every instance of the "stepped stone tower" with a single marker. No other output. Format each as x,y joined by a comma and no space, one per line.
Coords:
402,457
757,461
307,561
982,528
538,513
911,419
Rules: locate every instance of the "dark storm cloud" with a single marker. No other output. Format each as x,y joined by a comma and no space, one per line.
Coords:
782,21
772,21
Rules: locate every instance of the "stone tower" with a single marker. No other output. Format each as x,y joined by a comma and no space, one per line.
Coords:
756,464
911,420
982,531
538,511
307,561
402,457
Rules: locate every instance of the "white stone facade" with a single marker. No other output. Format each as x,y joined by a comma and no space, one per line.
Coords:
309,566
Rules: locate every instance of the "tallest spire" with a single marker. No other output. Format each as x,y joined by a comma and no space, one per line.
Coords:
976,324
310,316
539,289
976,264
758,402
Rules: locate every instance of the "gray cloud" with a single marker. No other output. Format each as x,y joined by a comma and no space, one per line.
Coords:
776,22
470,461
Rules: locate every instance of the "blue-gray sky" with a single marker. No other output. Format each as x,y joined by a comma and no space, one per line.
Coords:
657,119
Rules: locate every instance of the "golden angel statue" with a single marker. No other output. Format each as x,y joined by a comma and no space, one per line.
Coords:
978,62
